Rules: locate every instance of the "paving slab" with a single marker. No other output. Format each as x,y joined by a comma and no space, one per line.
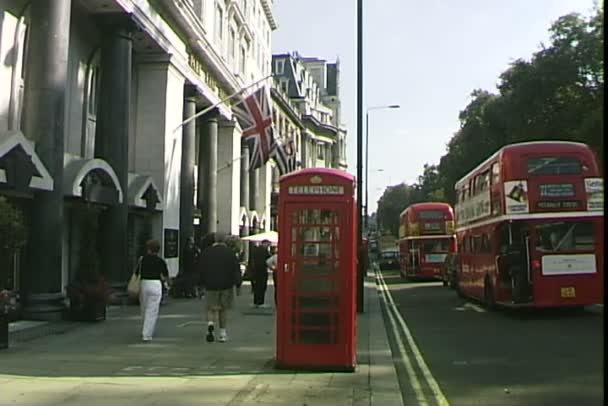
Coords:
106,363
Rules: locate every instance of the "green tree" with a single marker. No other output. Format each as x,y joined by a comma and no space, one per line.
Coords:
557,95
13,230
393,201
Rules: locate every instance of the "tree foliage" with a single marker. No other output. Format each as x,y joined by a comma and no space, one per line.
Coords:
557,95
13,230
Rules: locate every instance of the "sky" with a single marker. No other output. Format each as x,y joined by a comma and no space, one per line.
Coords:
426,56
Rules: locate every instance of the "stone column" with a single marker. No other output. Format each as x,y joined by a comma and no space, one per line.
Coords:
207,172
158,141
245,183
186,206
254,194
44,113
112,140
228,177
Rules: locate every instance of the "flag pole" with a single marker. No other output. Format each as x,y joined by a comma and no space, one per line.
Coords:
208,109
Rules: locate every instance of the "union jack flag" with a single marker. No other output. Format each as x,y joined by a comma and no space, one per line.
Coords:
285,156
254,114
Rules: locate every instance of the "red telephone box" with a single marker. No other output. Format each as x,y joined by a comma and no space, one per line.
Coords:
316,271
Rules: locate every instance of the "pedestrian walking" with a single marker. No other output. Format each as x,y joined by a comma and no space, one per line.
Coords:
221,274
153,273
260,272
271,263
191,257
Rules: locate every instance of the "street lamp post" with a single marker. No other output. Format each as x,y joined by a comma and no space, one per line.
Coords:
360,266
390,106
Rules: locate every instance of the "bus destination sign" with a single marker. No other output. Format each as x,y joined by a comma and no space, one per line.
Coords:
558,204
316,190
557,190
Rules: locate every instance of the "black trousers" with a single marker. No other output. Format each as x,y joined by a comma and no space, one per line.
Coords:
259,288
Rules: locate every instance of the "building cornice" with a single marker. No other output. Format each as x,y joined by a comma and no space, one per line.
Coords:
268,12
286,106
197,38
312,120
158,29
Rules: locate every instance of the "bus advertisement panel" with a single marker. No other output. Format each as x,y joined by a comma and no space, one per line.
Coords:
541,244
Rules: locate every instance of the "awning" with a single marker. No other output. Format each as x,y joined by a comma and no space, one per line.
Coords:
21,169
93,180
271,236
143,193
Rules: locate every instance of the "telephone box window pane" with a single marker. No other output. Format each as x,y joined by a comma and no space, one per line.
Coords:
324,320
328,217
315,303
309,250
315,216
329,233
316,337
316,268
324,234
314,286
327,251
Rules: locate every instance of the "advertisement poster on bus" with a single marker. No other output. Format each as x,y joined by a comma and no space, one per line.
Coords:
474,208
594,187
516,197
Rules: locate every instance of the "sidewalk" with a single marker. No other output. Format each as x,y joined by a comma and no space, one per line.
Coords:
106,363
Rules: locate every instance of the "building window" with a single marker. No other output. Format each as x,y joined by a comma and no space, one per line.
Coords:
219,21
279,66
285,85
92,104
243,59
199,9
232,46
320,151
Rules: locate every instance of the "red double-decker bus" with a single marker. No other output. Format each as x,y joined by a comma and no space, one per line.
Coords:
529,225
426,236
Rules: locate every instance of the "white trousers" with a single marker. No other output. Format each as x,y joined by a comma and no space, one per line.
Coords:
150,295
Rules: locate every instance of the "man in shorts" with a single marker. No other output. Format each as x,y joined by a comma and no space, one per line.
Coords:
221,273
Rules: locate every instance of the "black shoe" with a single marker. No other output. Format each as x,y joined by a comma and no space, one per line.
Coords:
210,335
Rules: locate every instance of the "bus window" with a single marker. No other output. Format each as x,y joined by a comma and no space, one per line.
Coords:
484,180
562,165
431,215
495,173
565,236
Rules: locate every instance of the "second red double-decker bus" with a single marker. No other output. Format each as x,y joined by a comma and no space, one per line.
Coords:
426,236
530,223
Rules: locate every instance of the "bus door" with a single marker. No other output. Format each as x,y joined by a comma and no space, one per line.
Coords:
522,275
414,257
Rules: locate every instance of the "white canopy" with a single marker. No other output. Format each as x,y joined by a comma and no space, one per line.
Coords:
271,236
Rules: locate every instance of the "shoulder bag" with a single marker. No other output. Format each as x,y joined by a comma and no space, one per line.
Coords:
135,282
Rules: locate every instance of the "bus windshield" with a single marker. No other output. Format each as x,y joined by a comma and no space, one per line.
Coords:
436,246
565,236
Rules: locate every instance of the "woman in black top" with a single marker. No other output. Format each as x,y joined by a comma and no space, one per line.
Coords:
153,271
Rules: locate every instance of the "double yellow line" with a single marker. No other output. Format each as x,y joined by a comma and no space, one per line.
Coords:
401,329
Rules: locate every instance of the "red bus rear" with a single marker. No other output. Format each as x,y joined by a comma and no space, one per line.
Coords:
425,238
530,226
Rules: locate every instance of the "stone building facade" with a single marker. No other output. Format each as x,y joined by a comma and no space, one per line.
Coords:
306,98
92,146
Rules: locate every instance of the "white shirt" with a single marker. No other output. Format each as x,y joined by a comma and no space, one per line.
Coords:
271,262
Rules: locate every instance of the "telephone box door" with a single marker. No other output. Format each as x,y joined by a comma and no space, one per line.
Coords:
316,304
